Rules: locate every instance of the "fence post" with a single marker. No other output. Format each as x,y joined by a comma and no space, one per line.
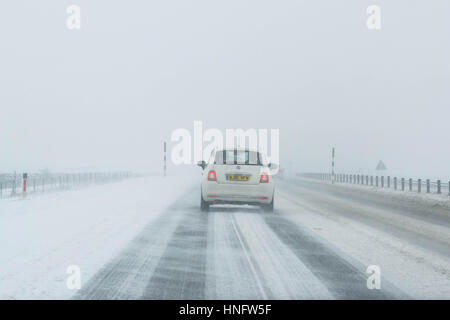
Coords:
389,182
428,185
376,181
449,188
403,184
1,190
382,181
439,186
395,183
371,180
410,184
419,185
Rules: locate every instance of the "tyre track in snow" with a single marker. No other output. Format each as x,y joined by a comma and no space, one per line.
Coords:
431,236
269,269
344,280
126,276
181,271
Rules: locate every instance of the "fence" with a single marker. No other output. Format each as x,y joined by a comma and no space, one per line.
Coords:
388,182
12,184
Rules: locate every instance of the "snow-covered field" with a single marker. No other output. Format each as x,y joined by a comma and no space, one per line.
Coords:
44,234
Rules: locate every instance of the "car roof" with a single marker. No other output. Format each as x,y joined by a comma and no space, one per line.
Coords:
238,149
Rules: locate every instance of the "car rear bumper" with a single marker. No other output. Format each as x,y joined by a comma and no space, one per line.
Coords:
216,193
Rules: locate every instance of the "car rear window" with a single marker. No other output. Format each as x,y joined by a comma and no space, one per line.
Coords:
238,157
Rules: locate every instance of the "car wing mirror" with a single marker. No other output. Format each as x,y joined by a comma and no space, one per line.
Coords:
202,164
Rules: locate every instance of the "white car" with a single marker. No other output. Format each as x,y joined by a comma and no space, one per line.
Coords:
237,176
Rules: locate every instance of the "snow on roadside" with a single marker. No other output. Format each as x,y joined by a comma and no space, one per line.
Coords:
41,236
418,272
434,199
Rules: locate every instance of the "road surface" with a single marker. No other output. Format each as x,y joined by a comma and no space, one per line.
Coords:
316,245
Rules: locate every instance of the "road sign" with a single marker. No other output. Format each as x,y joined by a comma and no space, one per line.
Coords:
381,166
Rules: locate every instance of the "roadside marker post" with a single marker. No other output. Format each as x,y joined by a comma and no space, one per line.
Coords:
25,177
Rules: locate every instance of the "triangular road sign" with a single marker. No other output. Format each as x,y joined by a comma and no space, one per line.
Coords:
381,166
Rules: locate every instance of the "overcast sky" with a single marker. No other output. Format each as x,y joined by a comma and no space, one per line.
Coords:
106,96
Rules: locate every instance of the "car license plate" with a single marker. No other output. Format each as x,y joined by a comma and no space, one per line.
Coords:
238,177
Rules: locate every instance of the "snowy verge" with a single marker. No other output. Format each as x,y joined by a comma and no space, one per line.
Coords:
432,199
41,236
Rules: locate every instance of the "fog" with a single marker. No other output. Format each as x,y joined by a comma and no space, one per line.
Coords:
106,97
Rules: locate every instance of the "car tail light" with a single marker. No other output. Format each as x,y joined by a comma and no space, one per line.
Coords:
264,178
212,175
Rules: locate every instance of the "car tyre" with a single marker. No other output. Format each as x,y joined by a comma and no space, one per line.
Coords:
204,206
269,207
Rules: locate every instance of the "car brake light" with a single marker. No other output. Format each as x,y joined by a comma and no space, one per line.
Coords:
264,178
212,175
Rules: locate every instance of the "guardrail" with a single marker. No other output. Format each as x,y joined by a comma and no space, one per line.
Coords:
388,182
12,185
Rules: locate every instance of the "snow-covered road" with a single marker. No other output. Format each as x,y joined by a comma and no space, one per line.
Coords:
316,245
